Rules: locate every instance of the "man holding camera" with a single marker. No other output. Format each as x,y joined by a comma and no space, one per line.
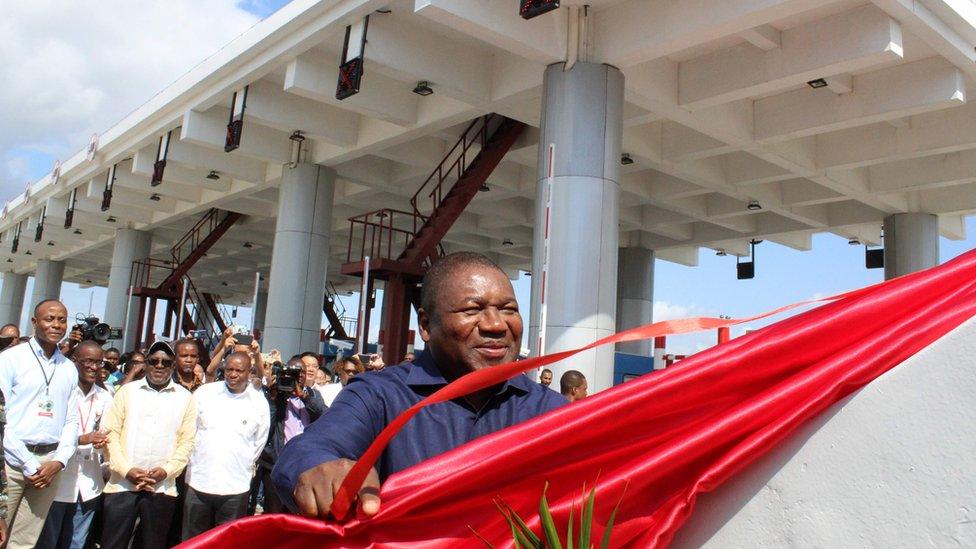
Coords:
151,425
39,384
293,407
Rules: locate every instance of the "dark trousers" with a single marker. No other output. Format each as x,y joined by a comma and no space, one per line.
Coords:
154,511
202,511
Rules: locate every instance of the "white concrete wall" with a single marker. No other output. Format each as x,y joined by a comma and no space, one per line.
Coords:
894,465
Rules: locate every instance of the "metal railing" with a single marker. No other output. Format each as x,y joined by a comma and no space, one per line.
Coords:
452,167
382,234
200,230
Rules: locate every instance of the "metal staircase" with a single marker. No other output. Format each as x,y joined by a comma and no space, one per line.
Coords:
401,245
153,280
335,311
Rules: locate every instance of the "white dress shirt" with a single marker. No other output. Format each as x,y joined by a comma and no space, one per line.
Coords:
146,429
232,429
23,370
82,475
329,392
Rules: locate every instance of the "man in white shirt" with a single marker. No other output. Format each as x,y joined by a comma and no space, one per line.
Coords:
42,421
80,484
151,424
232,428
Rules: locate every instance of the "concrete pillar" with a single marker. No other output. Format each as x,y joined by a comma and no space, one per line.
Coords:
260,306
911,243
12,298
47,281
635,296
130,245
582,125
293,315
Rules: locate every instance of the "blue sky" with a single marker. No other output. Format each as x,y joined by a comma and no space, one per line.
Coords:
783,275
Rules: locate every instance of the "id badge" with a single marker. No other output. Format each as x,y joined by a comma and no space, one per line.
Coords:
45,407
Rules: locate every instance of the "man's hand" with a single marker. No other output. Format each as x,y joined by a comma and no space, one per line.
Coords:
158,474
275,355
317,488
255,349
135,475
3,531
45,474
94,438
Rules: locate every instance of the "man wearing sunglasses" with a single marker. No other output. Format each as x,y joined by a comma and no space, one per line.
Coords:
151,425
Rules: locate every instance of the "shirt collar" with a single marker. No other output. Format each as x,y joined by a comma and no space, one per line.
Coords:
144,384
424,372
39,352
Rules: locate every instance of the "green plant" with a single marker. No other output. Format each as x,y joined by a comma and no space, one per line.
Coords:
524,537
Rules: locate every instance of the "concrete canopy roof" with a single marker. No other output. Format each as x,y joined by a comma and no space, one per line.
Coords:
717,114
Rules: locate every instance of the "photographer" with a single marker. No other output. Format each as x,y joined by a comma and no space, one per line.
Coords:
235,341
293,406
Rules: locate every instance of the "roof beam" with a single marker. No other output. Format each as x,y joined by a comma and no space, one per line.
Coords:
209,129
937,132
857,39
636,31
380,97
540,39
407,53
270,106
895,92
924,173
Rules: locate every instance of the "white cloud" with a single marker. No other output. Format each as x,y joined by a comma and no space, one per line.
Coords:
74,68
664,310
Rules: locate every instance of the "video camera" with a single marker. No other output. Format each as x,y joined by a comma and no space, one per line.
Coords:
286,376
92,329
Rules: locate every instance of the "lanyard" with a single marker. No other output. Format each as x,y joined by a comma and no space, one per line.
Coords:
91,405
47,379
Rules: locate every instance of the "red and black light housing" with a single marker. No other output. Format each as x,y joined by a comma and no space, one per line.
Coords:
534,8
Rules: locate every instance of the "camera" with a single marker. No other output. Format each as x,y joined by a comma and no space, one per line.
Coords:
92,329
286,376
242,335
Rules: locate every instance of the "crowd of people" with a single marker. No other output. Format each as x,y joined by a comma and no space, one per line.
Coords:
155,446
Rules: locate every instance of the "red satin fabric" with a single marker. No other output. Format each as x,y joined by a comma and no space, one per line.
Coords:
663,439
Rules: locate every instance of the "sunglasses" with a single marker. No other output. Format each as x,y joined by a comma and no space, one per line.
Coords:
165,362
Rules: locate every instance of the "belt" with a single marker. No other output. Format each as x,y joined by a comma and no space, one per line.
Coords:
41,449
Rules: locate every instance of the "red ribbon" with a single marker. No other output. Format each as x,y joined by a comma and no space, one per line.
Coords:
488,377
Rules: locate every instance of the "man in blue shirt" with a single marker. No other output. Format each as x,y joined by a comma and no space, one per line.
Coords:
469,319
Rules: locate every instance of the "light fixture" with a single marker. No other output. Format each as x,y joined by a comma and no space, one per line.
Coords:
77,231
384,11
297,136
626,160
247,245
10,260
223,283
753,206
721,252
755,241
111,219
484,188
507,242
154,197
423,88
28,252
88,281
50,243
382,214
817,83
854,241
213,175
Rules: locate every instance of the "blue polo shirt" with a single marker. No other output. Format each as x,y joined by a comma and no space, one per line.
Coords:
371,400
